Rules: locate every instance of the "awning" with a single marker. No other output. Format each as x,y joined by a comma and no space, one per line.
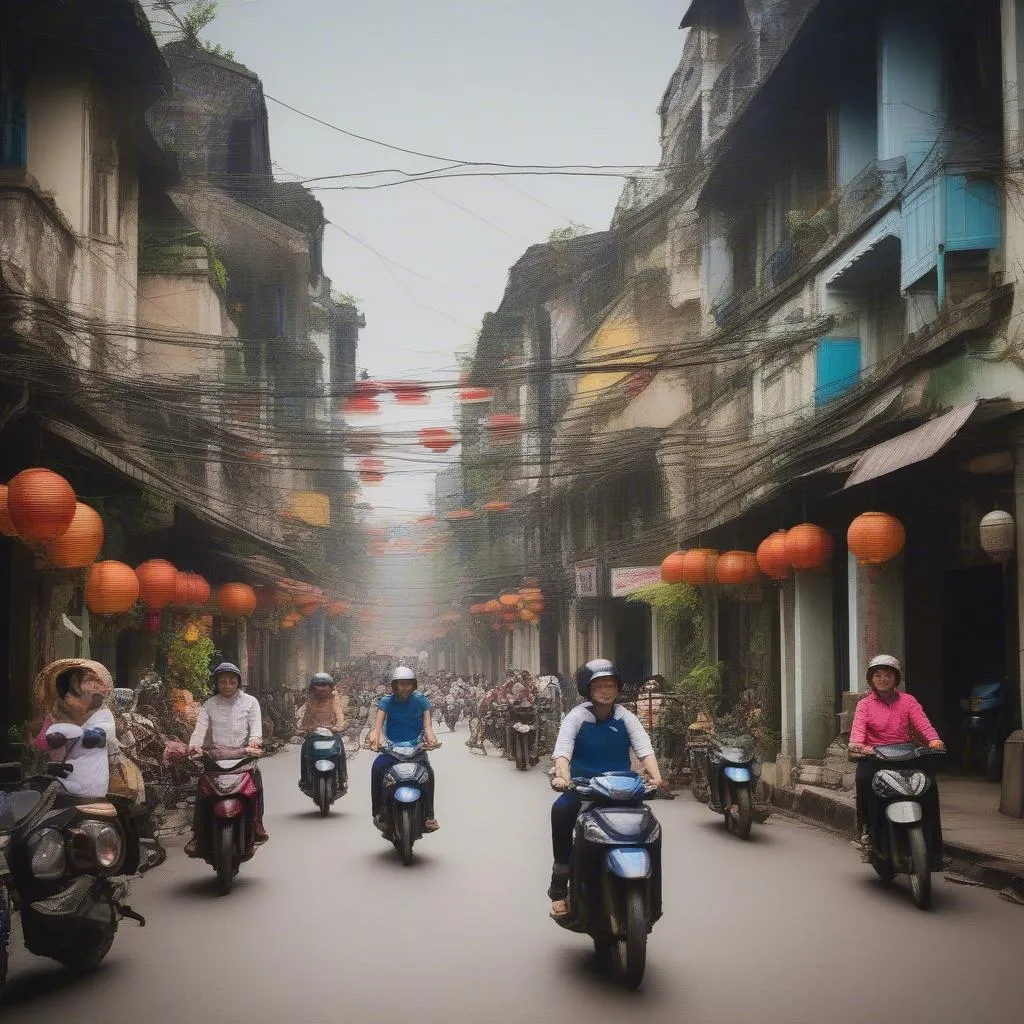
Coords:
914,446
889,227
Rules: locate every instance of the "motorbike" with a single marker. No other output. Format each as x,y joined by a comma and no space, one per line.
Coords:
901,845
524,724
615,873
452,714
66,865
403,810
982,728
322,751
226,836
724,774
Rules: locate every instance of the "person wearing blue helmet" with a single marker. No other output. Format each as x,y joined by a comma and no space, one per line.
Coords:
597,736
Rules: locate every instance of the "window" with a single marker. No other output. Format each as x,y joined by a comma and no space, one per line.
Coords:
13,127
838,368
103,190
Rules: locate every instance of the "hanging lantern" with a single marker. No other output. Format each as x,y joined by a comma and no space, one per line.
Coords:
310,604
190,590
875,537
737,568
335,609
111,588
461,513
472,396
527,616
158,583
41,504
505,428
236,599
437,439
79,546
509,600
809,547
493,607
772,559
371,471
201,589
695,566
360,405
408,392
6,526
498,506
998,535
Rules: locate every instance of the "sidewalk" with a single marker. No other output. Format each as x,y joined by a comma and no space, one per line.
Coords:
982,842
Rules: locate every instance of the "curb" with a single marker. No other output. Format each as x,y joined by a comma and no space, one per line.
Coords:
975,865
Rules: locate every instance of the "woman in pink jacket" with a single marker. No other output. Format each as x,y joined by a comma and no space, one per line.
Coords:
885,716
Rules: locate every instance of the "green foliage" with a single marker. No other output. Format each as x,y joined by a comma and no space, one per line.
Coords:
674,602
562,235
345,299
189,662
191,17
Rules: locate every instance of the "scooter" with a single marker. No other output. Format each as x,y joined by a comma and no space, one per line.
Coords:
727,770
66,865
615,872
523,721
900,844
403,810
227,836
982,728
321,751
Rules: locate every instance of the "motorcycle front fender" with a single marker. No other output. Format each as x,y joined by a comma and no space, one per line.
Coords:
628,863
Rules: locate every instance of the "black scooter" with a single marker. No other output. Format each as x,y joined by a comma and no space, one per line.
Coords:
325,775
725,774
404,811
615,873
523,730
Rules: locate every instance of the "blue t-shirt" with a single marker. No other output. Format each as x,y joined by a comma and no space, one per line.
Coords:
594,747
403,720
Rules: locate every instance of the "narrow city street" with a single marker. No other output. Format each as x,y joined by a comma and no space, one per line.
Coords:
326,925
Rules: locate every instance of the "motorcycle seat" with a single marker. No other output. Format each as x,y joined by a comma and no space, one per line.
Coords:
97,808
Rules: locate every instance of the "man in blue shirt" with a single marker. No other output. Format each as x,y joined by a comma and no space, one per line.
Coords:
596,737
402,717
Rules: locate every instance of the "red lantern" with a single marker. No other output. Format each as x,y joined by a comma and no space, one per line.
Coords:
408,392
371,471
695,566
111,588
736,568
493,607
6,526
875,537
470,396
461,513
509,600
158,583
201,589
437,439
497,506
236,599
505,428
772,558
80,544
809,547
190,590
360,405
41,504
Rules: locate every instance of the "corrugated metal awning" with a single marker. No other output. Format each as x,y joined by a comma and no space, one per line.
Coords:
914,446
890,226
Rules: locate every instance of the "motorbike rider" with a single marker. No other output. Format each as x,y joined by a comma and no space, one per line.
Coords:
596,737
888,715
402,717
325,709
230,718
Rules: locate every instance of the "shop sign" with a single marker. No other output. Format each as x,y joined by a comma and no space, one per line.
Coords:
588,579
632,578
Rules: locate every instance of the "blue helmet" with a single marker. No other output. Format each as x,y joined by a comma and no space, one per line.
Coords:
599,668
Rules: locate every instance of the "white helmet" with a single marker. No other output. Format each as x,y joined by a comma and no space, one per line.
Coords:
885,661
403,674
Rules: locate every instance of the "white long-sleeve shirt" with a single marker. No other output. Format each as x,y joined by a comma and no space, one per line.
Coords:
228,722
90,776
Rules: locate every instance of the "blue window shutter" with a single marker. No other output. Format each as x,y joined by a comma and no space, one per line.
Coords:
973,220
919,245
838,368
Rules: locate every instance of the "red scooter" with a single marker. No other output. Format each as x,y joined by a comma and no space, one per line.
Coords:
225,828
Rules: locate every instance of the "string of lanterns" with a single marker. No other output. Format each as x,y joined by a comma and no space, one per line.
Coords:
511,608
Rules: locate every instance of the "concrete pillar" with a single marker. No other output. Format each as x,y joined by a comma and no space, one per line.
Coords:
243,649
655,643
1018,512
876,615
814,663
787,651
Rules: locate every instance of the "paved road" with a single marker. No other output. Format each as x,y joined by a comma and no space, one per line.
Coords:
325,925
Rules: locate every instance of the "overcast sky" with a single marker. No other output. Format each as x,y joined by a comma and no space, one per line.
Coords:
516,81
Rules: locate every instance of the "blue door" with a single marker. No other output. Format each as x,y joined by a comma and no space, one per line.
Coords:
838,368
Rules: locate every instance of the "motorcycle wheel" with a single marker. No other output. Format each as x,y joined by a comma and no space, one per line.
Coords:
522,755
741,820
90,957
224,856
5,939
920,870
323,795
630,953
405,832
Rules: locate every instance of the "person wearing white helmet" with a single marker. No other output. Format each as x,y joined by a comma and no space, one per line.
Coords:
888,715
403,716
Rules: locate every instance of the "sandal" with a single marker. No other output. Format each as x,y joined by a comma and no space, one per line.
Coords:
559,910
430,825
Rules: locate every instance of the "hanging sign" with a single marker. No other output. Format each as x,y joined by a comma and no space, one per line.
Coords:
588,579
626,581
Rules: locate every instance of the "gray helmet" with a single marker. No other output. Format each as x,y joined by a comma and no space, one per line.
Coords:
403,674
321,679
885,661
226,667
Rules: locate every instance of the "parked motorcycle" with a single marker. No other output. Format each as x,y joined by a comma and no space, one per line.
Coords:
724,774
901,845
982,728
321,751
226,835
403,811
66,865
524,723
615,873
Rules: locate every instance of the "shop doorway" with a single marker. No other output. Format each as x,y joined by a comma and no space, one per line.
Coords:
632,639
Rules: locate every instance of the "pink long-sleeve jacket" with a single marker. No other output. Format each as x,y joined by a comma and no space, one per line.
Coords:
876,722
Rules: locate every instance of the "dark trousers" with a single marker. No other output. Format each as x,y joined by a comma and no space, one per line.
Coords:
869,807
306,760
380,765
564,812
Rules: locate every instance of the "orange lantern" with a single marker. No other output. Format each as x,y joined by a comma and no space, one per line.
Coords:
493,607
371,471
695,566
875,537
469,396
158,583
497,506
309,603
80,544
736,568
809,547
505,428
201,589
527,616
771,556
41,504
360,405
236,599
672,567
437,439
335,609
408,392
111,588
461,513
190,590
6,526
508,600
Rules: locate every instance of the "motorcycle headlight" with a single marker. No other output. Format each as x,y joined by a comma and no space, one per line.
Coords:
324,766
919,782
46,853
